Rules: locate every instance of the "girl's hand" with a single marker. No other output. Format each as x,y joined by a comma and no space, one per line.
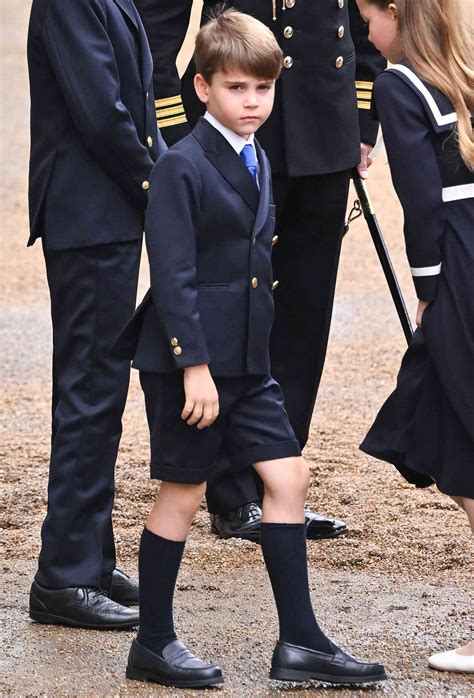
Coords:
202,401
422,305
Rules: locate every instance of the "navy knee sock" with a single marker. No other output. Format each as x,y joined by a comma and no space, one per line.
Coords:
158,565
284,552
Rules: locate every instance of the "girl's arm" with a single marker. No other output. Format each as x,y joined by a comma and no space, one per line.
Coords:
416,178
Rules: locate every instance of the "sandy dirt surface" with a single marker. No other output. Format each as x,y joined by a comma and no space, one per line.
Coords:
396,589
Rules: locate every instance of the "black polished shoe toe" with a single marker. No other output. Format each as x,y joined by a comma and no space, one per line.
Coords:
244,523
176,667
295,663
319,527
120,587
79,607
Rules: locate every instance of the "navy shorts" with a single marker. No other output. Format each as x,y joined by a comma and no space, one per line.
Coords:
252,426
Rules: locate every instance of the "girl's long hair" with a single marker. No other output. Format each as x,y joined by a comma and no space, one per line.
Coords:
434,40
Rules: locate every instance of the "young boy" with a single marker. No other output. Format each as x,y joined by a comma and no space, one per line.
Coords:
200,340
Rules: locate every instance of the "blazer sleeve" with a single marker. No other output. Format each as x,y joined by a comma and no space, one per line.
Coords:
369,64
166,23
80,52
416,178
171,221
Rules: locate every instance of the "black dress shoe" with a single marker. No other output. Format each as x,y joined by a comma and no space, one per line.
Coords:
80,607
319,527
177,667
244,522
120,587
294,663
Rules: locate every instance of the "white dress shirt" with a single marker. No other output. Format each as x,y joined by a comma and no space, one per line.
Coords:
237,142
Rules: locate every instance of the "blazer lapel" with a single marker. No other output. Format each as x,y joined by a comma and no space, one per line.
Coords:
147,60
227,162
128,10
264,182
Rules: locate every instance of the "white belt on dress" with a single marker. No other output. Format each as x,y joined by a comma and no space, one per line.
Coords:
462,191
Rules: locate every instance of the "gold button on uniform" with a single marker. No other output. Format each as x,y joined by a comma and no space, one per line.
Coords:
254,282
174,342
340,32
254,240
340,3
288,32
290,3
177,351
145,185
339,62
288,61
274,240
274,285
149,141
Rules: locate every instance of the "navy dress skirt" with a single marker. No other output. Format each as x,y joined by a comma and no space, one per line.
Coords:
426,426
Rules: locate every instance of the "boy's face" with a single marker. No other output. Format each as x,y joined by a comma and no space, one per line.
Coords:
239,101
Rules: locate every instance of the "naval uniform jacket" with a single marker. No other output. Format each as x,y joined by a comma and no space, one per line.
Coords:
93,127
208,232
325,89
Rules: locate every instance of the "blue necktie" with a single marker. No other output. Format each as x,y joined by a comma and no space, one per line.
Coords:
249,158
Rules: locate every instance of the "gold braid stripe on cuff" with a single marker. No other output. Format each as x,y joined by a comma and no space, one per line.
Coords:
171,111
363,105
173,121
363,85
167,101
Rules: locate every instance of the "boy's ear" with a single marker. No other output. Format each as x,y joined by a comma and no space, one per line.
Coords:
392,8
201,87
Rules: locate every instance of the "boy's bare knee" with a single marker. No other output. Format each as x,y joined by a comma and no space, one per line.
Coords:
289,477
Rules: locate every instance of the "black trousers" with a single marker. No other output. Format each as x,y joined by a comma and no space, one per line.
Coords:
310,214
93,293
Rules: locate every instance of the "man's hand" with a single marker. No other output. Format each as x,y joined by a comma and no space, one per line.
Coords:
365,160
422,305
202,401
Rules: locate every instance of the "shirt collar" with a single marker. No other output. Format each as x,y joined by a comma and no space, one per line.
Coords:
237,142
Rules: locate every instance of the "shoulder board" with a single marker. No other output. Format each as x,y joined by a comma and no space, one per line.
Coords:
438,107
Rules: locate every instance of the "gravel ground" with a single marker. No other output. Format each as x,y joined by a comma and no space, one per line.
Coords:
397,588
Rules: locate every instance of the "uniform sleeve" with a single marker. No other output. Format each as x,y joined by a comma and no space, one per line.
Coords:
369,63
80,52
170,233
166,23
416,178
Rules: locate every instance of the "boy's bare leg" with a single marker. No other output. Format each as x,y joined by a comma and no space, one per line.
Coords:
303,651
283,540
174,510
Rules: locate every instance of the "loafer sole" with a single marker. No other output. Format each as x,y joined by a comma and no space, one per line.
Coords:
147,675
304,676
50,619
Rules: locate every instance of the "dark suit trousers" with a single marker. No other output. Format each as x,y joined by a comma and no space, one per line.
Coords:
310,214
93,292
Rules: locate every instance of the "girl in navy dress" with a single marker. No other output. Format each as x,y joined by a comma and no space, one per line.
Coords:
424,103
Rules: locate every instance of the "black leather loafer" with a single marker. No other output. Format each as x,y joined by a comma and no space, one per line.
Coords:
79,607
294,663
244,522
319,527
120,587
177,667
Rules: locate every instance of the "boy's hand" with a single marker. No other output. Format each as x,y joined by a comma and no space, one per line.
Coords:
422,305
202,401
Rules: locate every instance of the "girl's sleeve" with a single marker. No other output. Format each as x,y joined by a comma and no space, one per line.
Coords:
416,178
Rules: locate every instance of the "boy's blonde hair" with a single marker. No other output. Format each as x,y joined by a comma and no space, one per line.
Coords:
234,40
435,41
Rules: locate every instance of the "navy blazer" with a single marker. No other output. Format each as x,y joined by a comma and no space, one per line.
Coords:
209,233
93,131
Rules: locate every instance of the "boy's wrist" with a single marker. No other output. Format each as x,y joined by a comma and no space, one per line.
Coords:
198,368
